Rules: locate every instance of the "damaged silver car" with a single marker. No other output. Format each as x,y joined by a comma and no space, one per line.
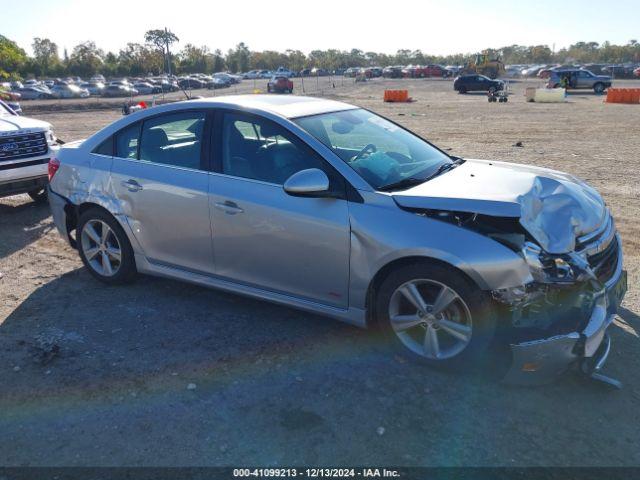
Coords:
330,208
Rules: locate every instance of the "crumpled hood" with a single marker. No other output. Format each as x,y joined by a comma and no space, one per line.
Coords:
12,124
554,207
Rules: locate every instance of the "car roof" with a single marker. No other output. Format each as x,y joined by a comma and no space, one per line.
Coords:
292,106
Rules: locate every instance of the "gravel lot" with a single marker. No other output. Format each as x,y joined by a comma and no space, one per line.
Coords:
164,373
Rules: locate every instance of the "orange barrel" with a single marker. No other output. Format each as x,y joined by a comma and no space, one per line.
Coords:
613,95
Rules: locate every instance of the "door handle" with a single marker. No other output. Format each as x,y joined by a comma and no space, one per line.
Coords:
230,208
131,185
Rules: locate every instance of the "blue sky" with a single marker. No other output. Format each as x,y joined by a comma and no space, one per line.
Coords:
436,27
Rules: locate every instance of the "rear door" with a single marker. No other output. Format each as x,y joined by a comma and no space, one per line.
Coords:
263,236
160,181
585,79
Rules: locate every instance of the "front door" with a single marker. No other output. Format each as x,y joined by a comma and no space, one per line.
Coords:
261,235
163,190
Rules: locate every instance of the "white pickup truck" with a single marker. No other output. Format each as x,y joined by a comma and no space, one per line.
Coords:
26,145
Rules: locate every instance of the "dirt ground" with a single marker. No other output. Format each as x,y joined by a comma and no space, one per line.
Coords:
164,373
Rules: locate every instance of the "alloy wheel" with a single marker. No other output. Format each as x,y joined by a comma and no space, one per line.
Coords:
430,319
101,248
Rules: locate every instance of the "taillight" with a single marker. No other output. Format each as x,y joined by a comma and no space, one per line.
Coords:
54,165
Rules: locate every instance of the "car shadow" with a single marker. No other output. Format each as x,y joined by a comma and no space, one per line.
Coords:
21,223
159,372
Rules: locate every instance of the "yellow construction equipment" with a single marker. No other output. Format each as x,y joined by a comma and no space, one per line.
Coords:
485,65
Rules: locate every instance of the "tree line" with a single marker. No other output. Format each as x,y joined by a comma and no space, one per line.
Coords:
154,56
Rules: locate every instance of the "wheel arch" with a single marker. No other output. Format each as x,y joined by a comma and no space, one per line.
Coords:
73,213
391,266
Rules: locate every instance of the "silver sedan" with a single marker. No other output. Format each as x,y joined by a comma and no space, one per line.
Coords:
330,208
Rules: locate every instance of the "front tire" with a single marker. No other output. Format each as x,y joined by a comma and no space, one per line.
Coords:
598,88
436,316
104,248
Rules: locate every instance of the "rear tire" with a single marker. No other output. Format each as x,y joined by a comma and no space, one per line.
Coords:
104,247
39,195
454,310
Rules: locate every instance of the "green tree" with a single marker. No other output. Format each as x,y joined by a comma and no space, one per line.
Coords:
218,61
194,59
12,59
238,59
45,54
162,39
85,59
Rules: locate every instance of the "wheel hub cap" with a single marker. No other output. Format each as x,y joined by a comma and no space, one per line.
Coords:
430,319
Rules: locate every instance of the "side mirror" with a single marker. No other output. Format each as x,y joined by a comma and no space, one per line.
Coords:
312,182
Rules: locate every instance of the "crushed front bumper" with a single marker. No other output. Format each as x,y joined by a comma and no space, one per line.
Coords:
541,361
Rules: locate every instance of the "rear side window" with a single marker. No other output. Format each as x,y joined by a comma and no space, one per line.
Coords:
105,148
173,139
127,141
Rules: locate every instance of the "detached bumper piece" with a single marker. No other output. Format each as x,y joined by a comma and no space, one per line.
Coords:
538,362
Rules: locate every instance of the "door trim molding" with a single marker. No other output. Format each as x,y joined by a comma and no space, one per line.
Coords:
353,316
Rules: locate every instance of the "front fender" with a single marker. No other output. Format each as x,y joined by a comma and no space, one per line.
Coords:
376,243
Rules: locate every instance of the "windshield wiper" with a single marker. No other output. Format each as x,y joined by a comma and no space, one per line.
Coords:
402,184
406,183
445,167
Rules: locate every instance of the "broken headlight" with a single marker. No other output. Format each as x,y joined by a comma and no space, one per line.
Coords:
547,268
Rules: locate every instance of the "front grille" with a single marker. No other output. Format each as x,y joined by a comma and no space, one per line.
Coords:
605,262
15,147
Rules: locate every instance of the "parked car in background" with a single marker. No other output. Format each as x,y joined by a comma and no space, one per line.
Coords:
579,79
373,72
454,70
69,91
9,96
636,72
266,74
351,72
284,72
319,72
35,93
145,88
595,68
512,71
165,85
94,88
252,75
477,83
217,82
305,72
191,83
226,78
392,72
15,106
422,71
280,84
119,90
619,71
323,206
26,146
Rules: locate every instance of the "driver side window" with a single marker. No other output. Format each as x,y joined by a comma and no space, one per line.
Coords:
260,149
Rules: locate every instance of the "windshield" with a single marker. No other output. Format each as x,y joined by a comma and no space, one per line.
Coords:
381,152
5,111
